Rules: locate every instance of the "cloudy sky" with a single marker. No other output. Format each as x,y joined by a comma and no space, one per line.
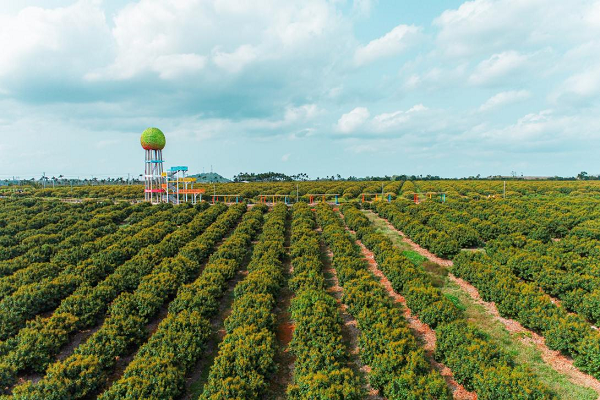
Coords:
361,87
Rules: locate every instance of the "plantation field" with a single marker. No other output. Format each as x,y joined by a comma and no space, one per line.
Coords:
475,297
347,190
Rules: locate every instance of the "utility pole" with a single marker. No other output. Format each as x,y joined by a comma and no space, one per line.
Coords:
504,189
296,192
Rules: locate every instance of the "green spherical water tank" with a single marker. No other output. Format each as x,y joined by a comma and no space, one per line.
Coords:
153,139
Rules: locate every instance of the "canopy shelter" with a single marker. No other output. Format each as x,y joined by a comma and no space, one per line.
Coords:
264,198
419,197
226,198
323,196
377,196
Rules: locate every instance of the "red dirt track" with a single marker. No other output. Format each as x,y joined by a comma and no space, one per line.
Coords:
420,330
557,361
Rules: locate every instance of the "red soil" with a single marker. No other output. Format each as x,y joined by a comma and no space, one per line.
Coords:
350,330
419,329
557,361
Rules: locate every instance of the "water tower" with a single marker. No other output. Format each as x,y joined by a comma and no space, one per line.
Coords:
153,141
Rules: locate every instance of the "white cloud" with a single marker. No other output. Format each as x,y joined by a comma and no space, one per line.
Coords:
413,81
417,108
498,66
269,70
233,33
389,120
285,157
434,78
302,113
236,61
358,118
353,120
532,127
396,120
504,98
592,16
484,26
174,65
546,130
363,6
392,43
53,35
583,84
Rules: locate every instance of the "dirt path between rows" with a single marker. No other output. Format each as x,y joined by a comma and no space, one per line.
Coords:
350,330
199,373
557,361
419,329
284,331
198,376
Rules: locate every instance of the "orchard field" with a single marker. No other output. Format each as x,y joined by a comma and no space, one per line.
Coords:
372,296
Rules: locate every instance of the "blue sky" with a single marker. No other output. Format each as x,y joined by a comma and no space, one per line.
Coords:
360,87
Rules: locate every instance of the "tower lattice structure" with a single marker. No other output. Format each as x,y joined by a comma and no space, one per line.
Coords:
154,177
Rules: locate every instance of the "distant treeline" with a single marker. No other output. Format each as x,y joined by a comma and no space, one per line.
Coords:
281,177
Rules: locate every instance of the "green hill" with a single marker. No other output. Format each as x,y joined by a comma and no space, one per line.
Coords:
207,177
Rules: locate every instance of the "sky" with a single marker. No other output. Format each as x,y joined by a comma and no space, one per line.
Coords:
322,87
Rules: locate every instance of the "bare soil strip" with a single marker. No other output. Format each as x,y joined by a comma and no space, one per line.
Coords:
123,362
419,329
199,375
557,361
195,381
284,332
350,331
151,327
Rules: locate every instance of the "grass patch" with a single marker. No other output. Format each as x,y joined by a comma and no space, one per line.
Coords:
436,272
414,257
524,351
434,268
455,301
381,226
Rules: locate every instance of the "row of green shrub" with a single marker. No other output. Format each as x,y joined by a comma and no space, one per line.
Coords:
246,355
40,245
438,242
555,268
445,228
160,366
568,269
321,368
36,345
22,219
571,334
34,298
537,218
88,368
399,368
476,362
17,216
80,247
